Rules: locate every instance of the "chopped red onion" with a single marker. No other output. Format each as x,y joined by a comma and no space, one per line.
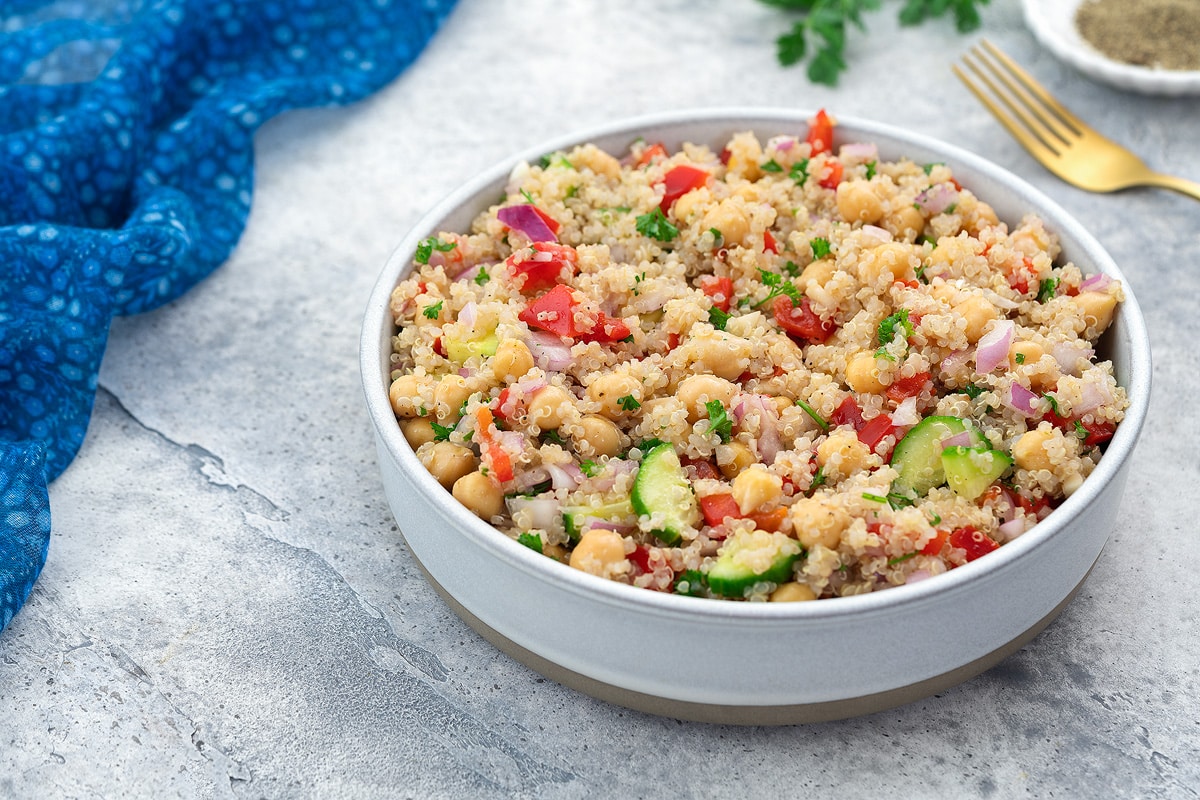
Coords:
876,235
1012,529
464,372
936,198
768,443
469,274
906,413
782,144
550,352
862,151
1096,283
588,523
525,219
918,575
1092,397
560,478
530,478
1022,399
957,440
992,350
1067,355
955,360
512,442
469,315
544,512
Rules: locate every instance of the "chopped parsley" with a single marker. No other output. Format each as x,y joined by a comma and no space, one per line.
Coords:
718,318
778,286
937,518
426,247
870,169
890,327
590,468
929,167
528,197
629,403
820,247
441,433
771,166
718,420
637,280
799,172
482,276
1019,358
818,480
531,540
553,436
572,191
432,311
972,391
1053,401
656,226
1047,289
812,412
874,497
718,237
896,500
792,269
644,447
690,583
1080,431
900,559
532,491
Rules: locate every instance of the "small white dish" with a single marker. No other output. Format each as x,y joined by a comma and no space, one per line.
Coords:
1053,25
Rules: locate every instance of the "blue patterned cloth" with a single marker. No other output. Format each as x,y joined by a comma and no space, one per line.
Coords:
126,171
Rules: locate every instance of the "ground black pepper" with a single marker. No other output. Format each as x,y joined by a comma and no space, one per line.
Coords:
1148,33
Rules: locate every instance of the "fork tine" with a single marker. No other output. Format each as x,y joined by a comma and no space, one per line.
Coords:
1073,122
1040,149
1049,127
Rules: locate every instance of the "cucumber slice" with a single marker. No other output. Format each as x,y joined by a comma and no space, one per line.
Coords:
459,350
575,517
661,487
918,456
970,471
750,557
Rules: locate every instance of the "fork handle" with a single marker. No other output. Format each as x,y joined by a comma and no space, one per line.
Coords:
1190,188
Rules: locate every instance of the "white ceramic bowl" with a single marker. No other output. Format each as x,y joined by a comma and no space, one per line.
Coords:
1053,24
754,663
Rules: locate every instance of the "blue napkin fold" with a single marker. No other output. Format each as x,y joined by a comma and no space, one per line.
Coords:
126,174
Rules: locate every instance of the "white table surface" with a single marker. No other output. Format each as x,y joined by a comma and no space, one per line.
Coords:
229,610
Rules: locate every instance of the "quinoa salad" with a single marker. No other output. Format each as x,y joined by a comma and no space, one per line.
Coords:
778,370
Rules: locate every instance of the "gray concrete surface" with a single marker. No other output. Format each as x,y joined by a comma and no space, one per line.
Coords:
229,610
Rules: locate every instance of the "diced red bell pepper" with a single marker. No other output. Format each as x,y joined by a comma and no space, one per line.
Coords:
656,150
873,431
439,347
847,413
820,133
554,312
1097,432
549,263
719,289
934,546
768,520
679,181
640,558
903,388
833,174
801,321
495,458
716,507
1019,279
769,243
1031,506
974,541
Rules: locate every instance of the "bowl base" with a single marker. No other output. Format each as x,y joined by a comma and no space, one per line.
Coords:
716,713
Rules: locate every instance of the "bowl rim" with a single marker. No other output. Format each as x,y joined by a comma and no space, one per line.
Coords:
374,350
1053,25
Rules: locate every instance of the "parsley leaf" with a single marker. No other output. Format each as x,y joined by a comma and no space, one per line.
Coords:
656,226
871,169
1047,289
441,433
792,269
812,412
553,437
1053,401
629,403
482,276
531,540
690,583
972,391
426,247
590,468
818,479
900,559
432,311
894,325
718,420
718,318
799,171
820,247
771,166
778,286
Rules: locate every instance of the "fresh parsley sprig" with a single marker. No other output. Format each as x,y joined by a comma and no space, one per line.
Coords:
656,226
778,285
820,33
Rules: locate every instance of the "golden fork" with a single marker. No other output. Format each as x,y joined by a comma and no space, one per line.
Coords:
1062,142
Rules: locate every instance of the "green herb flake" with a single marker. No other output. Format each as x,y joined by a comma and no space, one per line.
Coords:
937,519
900,559
482,276
432,311
871,167
1019,358
771,166
572,191
719,421
528,197
553,437
441,433
1080,430
929,167
972,391
892,326
426,247
690,583
799,172
818,480
590,468
1047,290
899,500
792,269
656,226
531,540
718,318
874,498
820,248
629,403
778,285
822,423
1053,401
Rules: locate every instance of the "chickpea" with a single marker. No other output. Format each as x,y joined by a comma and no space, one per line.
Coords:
405,395
450,394
793,592
817,521
550,407
1029,451
477,492
978,312
862,374
600,552
781,404
906,223
891,262
730,219
842,452
689,204
417,431
940,290
723,354
512,360
695,390
608,389
447,461
818,272
756,487
734,457
1024,353
857,202
600,437
1097,309
598,161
